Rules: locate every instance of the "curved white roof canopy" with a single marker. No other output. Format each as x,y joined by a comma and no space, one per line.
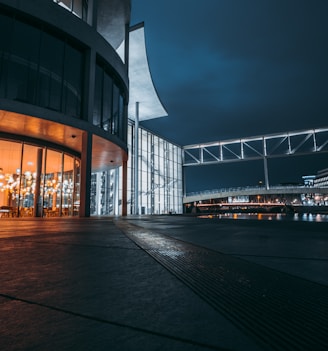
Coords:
141,89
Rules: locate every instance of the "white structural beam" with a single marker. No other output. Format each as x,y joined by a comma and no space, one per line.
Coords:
142,89
259,147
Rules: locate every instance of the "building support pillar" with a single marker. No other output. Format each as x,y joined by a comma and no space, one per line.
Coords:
136,161
85,185
124,188
266,173
36,203
265,164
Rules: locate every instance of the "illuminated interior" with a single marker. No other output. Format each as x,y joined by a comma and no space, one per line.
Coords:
36,180
160,174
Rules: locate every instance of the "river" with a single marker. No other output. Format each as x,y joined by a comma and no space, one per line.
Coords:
299,217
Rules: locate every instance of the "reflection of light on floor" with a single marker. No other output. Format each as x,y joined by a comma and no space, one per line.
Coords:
171,253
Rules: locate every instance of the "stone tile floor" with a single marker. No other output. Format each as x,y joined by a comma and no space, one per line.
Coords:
101,284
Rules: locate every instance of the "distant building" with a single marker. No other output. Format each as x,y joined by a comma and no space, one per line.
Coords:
308,180
321,179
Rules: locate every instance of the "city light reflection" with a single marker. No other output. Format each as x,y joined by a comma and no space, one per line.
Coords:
305,217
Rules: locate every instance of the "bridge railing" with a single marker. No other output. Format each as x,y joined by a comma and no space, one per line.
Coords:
246,188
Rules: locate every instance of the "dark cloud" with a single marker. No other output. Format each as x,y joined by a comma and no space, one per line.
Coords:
227,69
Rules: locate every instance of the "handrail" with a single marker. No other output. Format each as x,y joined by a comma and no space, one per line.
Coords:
229,190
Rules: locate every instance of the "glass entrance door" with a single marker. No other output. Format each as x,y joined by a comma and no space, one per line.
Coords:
37,181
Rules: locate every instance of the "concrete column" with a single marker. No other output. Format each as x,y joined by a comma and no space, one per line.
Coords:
136,161
265,164
20,180
124,188
85,177
61,186
266,173
36,210
92,13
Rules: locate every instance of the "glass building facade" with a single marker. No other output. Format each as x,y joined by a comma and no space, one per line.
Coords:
36,180
160,177
46,70
63,106
108,108
77,7
66,145
39,67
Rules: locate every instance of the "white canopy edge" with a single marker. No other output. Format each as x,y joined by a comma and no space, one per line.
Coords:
142,89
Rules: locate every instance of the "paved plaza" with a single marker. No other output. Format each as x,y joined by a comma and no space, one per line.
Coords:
163,283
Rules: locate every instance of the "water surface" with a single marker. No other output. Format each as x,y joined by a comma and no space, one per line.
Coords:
301,217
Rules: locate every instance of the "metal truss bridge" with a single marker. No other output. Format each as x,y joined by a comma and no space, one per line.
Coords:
285,144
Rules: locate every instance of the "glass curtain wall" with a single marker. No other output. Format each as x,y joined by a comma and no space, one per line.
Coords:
37,181
160,174
78,7
104,192
108,111
39,68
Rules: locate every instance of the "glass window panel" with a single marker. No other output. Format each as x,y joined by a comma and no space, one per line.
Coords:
52,183
65,3
107,102
77,175
121,116
25,48
6,30
28,180
156,145
51,71
77,7
85,10
22,70
97,106
144,141
10,156
73,81
161,149
17,77
68,186
115,117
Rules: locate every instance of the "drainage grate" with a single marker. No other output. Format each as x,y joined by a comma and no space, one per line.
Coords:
278,310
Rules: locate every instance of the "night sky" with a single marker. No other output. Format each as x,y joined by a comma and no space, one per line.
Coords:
236,68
